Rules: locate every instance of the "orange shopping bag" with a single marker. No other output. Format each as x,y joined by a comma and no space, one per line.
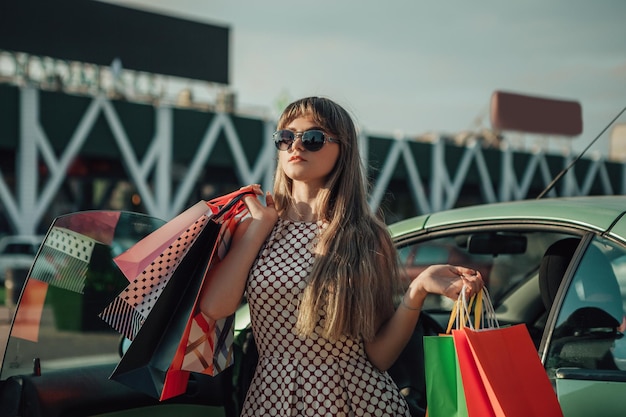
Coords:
511,372
501,370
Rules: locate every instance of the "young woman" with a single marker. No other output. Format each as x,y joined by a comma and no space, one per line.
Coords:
320,274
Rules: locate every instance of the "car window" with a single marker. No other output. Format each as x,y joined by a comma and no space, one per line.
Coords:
56,323
503,263
424,255
589,328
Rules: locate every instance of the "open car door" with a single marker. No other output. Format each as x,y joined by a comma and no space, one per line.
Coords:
59,353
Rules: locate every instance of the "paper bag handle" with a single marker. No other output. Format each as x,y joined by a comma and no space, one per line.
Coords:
230,204
484,312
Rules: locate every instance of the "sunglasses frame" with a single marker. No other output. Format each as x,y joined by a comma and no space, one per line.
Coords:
278,140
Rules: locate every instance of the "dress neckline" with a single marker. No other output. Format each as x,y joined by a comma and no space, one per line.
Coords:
301,223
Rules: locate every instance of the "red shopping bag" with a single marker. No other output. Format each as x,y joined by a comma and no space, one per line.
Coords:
500,369
153,364
511,372
207,346
476,398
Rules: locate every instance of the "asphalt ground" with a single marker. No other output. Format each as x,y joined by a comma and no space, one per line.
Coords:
5,327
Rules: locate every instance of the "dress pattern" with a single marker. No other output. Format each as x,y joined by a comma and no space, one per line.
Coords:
297,376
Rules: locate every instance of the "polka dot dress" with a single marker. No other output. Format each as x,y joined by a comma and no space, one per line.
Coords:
298,376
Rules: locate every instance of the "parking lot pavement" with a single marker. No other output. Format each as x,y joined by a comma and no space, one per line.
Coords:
5,327
5,315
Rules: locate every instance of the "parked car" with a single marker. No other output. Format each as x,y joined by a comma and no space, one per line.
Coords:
17,252
556,265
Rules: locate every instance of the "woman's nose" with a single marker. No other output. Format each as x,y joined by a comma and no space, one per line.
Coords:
297,142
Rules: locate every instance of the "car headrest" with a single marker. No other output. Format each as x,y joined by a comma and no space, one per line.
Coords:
553,266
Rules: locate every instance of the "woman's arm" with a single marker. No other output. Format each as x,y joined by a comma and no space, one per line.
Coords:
395,333
224,286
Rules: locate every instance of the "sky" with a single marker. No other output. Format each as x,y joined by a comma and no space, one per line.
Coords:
412,67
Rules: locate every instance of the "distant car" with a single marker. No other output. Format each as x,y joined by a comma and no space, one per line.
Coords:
17,252
556,265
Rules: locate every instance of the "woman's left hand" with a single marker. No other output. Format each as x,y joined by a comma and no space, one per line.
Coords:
447,280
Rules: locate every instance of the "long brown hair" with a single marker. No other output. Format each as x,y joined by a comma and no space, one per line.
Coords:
355,274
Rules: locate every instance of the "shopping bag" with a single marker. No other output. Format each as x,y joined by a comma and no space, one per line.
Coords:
476,398
135,260
445,395
447,389
146,364
511,372
444,388
149,264
153,364
501,372
207,345
129,310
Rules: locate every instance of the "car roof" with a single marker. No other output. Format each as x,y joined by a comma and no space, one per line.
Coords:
589,212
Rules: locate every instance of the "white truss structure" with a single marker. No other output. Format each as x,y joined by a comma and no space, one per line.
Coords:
151,174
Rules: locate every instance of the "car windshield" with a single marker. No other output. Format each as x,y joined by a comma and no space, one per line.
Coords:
56,323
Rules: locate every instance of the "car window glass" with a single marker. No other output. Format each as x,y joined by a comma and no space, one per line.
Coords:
71,281
502,271
590,325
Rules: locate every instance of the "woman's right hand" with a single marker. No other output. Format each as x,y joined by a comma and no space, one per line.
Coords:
222,291
264,216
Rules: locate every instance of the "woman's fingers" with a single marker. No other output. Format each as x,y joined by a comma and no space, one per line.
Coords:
462,277
254,187
264,212
472,280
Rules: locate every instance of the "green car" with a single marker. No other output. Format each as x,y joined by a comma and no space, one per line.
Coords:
556,265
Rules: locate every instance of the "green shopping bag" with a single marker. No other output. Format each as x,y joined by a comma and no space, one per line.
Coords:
444,387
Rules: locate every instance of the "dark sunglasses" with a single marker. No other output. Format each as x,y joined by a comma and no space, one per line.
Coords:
312,140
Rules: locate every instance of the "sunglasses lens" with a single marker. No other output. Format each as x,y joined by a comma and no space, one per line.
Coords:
283,139
313,140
